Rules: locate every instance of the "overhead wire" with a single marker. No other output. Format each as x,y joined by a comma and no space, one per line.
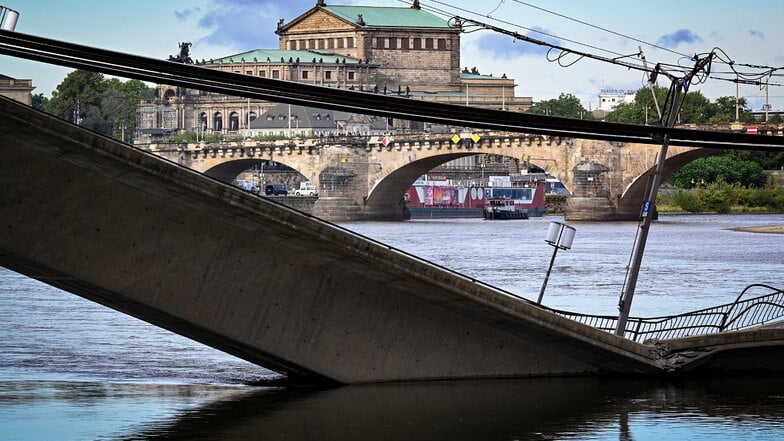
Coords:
671,70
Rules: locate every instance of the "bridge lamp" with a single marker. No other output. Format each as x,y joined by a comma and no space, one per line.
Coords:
559,236
8,18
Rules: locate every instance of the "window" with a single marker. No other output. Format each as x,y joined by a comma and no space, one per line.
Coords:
442,44
234,121
380,42
351,75
252,116
341,42
203,121
328,75
417,43
293,45
321,43
276,74
217,121
312,43
249,72
331,43
263,73
393,43
305,74
349,41
428,43
404,43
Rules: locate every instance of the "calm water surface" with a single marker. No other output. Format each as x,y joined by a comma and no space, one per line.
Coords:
73,370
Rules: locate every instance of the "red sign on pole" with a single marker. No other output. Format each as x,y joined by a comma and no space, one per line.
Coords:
751,130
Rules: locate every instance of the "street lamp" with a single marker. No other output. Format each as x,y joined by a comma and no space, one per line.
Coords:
560,236
8,18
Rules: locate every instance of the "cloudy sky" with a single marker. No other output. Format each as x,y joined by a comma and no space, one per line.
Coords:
667,30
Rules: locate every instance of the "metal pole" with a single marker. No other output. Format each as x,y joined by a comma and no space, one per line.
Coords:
625,303
547,276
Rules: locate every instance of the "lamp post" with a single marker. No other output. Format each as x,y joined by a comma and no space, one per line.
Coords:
560,236
8,18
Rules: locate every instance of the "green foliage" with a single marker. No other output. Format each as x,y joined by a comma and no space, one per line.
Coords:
722,197
719,168
78,99
687,201
193,137
566,105
104,106
696,109
766,160
39,101
725,111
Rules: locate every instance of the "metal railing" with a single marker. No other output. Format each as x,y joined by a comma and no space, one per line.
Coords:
741,314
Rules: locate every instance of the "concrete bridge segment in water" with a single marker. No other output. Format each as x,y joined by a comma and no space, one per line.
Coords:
279,288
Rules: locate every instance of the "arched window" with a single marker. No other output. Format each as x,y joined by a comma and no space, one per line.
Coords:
252,116
202,121
234,121
442,44
217,122
428,43
169,94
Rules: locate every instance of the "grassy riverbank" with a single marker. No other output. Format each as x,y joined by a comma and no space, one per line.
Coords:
720,197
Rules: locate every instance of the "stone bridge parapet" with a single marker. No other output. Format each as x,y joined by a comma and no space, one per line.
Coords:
364,178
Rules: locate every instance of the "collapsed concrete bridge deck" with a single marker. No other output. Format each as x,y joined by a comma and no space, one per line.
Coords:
279,288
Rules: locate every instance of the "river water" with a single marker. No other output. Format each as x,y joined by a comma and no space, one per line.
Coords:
74,370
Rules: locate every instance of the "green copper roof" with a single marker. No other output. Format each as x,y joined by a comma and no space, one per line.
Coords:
386,17
275,56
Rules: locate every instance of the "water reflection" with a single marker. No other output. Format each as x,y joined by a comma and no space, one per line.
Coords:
576,408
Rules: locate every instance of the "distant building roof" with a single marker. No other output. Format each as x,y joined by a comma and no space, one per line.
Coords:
387,17
285,56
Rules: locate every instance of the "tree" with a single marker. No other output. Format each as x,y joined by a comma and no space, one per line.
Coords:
725,110
695,109
642,110
78,99
566,105
40,101
107,106
704,171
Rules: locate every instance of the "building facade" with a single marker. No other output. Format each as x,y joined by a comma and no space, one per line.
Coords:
385,50
19,90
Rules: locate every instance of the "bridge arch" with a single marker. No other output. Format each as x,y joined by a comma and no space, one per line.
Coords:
388,192
630,201
261,170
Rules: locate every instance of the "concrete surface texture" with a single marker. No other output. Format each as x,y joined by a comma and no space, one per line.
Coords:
262,281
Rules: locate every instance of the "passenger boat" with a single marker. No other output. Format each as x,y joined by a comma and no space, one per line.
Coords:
503,208
440,198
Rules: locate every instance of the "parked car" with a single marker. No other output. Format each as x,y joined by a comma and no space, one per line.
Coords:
275,190
306,189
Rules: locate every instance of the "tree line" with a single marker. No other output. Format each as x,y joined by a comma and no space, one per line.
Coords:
104,105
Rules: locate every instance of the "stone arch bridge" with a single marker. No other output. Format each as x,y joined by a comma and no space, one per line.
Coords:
364,178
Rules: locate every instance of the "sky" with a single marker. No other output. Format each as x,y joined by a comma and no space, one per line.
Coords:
668,31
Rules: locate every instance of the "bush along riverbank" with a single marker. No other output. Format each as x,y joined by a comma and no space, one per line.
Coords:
721,197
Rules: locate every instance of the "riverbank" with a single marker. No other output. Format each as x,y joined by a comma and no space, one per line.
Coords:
769,229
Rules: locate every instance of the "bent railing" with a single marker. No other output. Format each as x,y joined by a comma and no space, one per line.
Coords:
741,314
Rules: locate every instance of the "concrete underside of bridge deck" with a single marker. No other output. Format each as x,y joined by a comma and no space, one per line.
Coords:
260,280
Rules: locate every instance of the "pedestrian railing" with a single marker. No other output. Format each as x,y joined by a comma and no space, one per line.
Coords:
741,314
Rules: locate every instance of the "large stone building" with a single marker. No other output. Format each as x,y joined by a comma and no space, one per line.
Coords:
19,90
392,50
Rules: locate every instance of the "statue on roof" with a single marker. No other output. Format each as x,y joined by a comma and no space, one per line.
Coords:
320,3
416,5
184,55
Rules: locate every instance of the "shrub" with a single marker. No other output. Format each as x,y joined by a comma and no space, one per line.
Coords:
687,201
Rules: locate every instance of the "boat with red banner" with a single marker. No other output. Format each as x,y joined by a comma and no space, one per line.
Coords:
436,199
